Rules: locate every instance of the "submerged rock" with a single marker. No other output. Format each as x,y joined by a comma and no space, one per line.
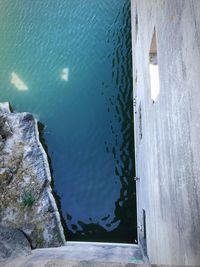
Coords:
26,200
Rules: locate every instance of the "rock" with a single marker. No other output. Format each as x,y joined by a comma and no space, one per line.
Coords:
5,177
13,243
26,200
5,129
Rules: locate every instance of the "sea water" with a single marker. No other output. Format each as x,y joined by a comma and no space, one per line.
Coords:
69,63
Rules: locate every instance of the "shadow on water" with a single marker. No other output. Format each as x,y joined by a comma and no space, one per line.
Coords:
41,128
120,111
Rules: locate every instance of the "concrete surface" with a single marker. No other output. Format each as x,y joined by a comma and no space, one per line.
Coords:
78,254
168,154
82,254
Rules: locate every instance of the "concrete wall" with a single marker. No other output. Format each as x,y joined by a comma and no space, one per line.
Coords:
168,154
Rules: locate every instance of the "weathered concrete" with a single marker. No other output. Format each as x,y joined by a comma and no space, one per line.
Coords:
26,200
82,254
78,254
168,152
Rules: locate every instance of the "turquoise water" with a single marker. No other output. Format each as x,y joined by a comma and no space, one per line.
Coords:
72,61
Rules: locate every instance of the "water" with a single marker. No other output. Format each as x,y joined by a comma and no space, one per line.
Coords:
69,63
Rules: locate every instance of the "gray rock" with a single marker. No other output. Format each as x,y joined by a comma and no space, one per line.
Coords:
5,128
13,243
26,200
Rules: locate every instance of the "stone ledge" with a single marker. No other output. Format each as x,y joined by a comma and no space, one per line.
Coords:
26,200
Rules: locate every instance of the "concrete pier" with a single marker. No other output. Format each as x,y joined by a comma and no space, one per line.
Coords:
166,39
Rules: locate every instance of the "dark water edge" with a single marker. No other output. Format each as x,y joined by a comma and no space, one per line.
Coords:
93,232
41,128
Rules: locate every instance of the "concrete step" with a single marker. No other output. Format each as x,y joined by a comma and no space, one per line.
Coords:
78,254
83,254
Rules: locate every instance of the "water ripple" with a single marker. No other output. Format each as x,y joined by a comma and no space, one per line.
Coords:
88,114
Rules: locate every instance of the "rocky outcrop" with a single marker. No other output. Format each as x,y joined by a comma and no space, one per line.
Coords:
26,200
13,243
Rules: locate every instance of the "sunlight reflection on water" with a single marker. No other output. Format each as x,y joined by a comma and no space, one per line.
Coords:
65,74
18,82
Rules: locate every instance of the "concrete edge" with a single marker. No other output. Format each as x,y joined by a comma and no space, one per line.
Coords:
101,244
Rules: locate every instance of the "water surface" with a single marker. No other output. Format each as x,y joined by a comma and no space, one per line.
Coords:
69,63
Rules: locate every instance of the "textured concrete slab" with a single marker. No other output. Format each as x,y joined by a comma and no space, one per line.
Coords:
82,254
64,263
167,130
